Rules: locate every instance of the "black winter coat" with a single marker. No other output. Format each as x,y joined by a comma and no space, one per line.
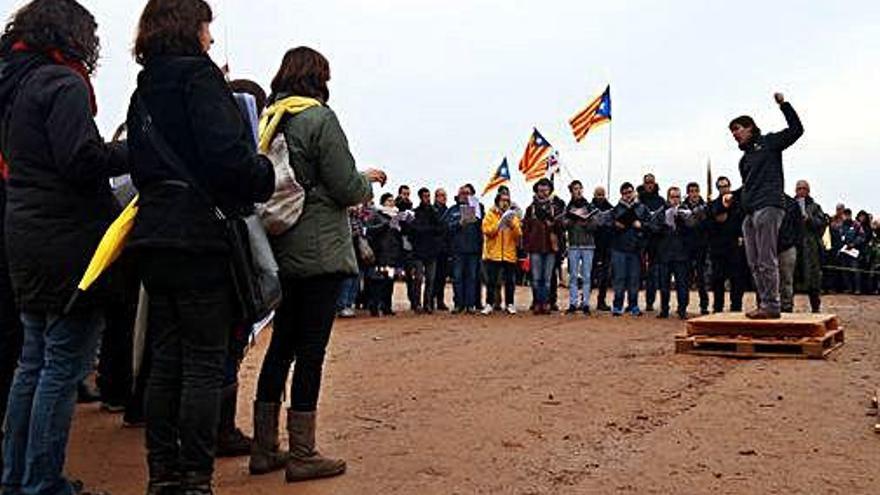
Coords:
790,232
724,227
445,240
761,164
629,239
673,243
194,110
385,240
59,201
604,233
697,232
426,233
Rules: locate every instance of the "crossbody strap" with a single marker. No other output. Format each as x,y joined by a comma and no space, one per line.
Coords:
168,156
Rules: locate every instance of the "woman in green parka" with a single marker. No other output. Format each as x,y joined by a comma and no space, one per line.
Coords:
314,256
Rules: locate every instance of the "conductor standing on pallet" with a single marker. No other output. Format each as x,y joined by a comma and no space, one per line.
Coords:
762,201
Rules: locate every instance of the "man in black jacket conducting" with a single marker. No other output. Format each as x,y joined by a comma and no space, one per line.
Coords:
762,200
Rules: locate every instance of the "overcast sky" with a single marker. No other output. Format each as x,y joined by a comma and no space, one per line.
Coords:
438,92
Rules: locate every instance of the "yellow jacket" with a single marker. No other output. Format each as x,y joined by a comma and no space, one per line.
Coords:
500,243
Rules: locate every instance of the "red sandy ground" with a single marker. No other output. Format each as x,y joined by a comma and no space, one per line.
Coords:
556,405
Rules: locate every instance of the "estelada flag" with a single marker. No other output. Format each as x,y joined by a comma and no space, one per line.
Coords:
501,176
534,161
597,112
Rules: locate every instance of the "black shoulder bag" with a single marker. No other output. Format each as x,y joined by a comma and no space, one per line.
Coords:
253,267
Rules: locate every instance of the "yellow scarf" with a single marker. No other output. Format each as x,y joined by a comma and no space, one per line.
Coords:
272,116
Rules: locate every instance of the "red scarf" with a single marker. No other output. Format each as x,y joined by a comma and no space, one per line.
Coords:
59,58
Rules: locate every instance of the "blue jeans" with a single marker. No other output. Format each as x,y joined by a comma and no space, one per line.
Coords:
542,270
627,270
465,270
348,293
58,353
580,262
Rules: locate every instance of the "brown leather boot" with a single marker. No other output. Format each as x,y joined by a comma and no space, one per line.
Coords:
305,462
265,453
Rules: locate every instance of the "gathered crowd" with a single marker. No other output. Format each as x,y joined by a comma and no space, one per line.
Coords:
648,242
198,152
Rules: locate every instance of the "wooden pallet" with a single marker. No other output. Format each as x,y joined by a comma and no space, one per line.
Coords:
748,347
791,325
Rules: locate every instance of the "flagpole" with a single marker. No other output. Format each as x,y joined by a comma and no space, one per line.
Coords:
608,183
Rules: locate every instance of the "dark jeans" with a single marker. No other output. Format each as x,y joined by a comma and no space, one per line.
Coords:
465,272
851,279
697,272
679,270
494,271
601,274
728,266
627,269
652,277
302,330
379,287
58,353
114,361
189,331
440,279
420,274
348,292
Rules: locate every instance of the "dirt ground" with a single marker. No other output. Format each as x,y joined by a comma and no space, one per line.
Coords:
556,405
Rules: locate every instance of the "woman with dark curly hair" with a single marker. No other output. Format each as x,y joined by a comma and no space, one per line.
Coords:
181,247
58,205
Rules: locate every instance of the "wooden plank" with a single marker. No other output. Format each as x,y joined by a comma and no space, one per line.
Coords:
746,347
736,324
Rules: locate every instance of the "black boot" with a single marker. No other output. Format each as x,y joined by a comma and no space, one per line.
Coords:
231,442
163,481
815,302
195,483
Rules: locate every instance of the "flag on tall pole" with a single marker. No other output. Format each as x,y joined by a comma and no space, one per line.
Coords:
501,176
533,164
709,180
598,112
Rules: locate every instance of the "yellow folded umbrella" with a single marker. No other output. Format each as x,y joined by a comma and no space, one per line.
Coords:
109,249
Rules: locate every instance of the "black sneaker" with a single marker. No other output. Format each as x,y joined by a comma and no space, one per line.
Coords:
662,315
571,310
603,307
586,310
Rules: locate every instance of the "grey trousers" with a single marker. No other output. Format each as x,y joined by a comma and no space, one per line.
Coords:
760,235
787,264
